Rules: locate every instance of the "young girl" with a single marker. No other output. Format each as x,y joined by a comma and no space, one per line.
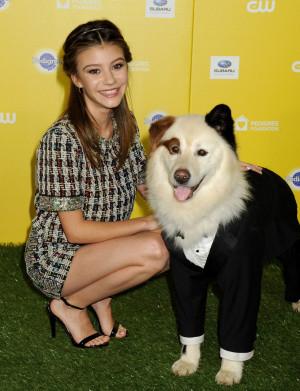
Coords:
83,248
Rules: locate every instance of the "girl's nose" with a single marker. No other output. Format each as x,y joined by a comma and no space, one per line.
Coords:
108,77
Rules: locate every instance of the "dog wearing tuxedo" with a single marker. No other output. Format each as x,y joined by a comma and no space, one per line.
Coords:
219,222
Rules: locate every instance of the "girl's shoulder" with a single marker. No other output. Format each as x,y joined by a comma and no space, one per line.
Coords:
61,130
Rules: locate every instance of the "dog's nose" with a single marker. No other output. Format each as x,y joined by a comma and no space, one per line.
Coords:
181,175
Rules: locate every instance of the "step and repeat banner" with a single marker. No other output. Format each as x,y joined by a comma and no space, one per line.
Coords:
188,56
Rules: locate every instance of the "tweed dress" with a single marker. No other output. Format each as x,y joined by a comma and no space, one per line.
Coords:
66,181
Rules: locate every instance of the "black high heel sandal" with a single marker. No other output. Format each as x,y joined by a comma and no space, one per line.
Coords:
114,330
81,344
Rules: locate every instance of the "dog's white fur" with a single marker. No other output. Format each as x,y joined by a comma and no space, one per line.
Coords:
296,306
230,373
219,198
188,362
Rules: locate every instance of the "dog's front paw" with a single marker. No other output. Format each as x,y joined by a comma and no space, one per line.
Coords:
188,362
227,378
296,306
184,368
230,373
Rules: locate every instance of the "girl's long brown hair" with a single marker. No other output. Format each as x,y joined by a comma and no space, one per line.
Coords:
84,36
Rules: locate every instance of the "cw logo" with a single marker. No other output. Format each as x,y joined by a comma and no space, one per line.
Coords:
296,66
257,6
8,120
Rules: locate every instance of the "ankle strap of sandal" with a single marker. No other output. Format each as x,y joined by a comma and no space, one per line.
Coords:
70,305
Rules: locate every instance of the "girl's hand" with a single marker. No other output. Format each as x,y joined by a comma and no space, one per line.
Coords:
142,189
252,167
152,224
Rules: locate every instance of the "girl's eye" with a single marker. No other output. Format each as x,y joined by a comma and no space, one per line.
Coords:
94,71
118,66
175,149
202,152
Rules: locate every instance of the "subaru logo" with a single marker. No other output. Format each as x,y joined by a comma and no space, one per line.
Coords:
224,64
160,3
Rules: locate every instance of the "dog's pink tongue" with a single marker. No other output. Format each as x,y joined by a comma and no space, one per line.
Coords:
182,193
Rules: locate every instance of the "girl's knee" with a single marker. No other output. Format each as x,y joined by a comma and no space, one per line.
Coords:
157,252
159,248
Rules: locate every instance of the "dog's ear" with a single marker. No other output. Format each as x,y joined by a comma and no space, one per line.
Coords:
158,129
220,119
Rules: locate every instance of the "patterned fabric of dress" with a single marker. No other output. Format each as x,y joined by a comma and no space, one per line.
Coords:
67,181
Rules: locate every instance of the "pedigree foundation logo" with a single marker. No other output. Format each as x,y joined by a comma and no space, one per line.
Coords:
160,8
46,61
244,124
296,66
156,115
224,67
79,4
261,6
5,5
139,66
8,118
241,123
293,179
63,4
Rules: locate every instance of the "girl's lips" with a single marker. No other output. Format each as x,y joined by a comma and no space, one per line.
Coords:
110,93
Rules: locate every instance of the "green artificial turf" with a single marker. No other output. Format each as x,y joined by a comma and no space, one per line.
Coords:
30,360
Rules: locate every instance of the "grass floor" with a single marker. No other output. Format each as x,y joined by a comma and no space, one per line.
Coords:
30,360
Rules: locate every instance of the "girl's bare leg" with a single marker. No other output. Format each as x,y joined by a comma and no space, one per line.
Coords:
77,322
104,269
104,312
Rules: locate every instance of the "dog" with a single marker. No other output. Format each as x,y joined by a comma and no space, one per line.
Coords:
218,222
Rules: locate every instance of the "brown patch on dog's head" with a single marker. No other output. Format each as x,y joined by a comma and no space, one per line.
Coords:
172,145
158,129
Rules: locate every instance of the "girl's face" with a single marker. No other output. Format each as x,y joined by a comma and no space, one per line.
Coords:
102,73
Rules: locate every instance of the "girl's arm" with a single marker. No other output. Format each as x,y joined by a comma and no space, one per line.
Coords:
79,231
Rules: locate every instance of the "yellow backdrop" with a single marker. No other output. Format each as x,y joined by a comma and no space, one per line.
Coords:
188,55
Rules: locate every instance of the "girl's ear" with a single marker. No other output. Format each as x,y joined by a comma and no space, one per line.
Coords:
75,81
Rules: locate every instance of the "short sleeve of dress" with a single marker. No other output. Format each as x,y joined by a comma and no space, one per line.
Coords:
57,171
138,156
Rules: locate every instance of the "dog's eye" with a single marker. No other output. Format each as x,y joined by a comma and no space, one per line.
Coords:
202,152
175,149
